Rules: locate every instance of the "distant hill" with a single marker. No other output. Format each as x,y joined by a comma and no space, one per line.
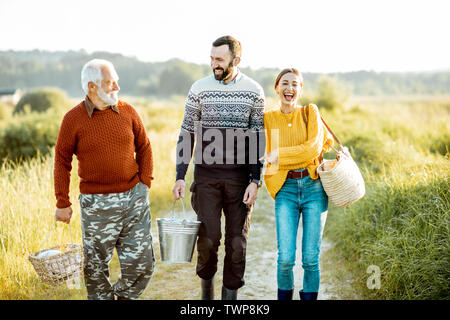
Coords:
31,69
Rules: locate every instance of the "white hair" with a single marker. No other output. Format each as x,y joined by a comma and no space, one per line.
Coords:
92,72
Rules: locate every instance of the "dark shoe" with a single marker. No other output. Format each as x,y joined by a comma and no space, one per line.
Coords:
285,294
208,289
308,295
228,294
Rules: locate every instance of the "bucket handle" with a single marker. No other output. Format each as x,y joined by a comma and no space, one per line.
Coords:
173,209
48,234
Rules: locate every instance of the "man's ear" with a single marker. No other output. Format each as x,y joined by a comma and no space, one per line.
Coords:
91,85
236,61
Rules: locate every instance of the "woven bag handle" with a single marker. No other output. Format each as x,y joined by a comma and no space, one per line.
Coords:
173,209
50,231
332,133
326,125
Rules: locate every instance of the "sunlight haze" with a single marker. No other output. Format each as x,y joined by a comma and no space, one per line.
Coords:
315,36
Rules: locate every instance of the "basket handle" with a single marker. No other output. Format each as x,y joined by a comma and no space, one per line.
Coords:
50,231
173,209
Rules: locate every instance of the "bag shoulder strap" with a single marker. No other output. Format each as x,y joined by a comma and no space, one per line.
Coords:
332,133
305,111
305,119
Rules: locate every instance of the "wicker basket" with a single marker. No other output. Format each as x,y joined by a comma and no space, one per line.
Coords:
61,267
343,183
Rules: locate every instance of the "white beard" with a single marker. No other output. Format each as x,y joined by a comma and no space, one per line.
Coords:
111,98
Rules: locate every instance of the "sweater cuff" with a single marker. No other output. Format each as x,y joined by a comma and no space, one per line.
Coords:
63,203
255,171
181,171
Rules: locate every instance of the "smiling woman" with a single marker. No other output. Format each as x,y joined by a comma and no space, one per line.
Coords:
290,88
293,155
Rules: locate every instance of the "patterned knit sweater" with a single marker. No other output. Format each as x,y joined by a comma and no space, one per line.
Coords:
112,148
214,111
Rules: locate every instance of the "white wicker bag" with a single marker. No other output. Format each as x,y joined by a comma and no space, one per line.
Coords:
343,183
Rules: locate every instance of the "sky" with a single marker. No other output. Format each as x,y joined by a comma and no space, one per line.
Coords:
313,35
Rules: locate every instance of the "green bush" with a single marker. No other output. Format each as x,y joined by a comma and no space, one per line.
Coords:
29,135
178,78
441,144
331,94
373,149
5,111
437,141
307,97
41,100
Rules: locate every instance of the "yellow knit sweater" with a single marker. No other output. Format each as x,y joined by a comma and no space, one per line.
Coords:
297,148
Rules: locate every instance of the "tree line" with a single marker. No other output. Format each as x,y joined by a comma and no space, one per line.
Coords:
32,69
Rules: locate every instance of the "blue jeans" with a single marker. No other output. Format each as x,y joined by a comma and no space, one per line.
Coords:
299,196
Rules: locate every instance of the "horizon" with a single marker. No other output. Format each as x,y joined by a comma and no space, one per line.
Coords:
319,37
443,70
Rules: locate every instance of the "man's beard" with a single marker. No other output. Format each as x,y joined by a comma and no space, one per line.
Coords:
109,98
225,73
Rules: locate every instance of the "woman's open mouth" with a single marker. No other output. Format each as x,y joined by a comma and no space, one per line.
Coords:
288,96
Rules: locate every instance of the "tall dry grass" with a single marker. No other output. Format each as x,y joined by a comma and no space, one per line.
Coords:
28,205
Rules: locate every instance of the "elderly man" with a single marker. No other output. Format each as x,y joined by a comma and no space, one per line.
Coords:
226,110
115,166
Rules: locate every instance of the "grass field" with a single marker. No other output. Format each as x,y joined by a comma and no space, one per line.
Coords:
401,225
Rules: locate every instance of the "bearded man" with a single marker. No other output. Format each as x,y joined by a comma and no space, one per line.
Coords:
115,166
226,111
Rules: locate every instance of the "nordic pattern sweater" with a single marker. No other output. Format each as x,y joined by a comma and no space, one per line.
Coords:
222,107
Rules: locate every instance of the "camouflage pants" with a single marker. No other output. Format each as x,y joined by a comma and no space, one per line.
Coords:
121,221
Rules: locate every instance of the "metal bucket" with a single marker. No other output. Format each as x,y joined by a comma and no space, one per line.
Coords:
177,237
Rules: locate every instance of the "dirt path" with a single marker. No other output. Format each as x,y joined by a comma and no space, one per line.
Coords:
178,281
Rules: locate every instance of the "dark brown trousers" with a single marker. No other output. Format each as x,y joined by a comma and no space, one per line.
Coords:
209,197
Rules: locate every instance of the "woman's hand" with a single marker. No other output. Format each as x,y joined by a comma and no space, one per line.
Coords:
271,157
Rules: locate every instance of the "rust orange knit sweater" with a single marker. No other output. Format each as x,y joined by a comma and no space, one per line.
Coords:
112,148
